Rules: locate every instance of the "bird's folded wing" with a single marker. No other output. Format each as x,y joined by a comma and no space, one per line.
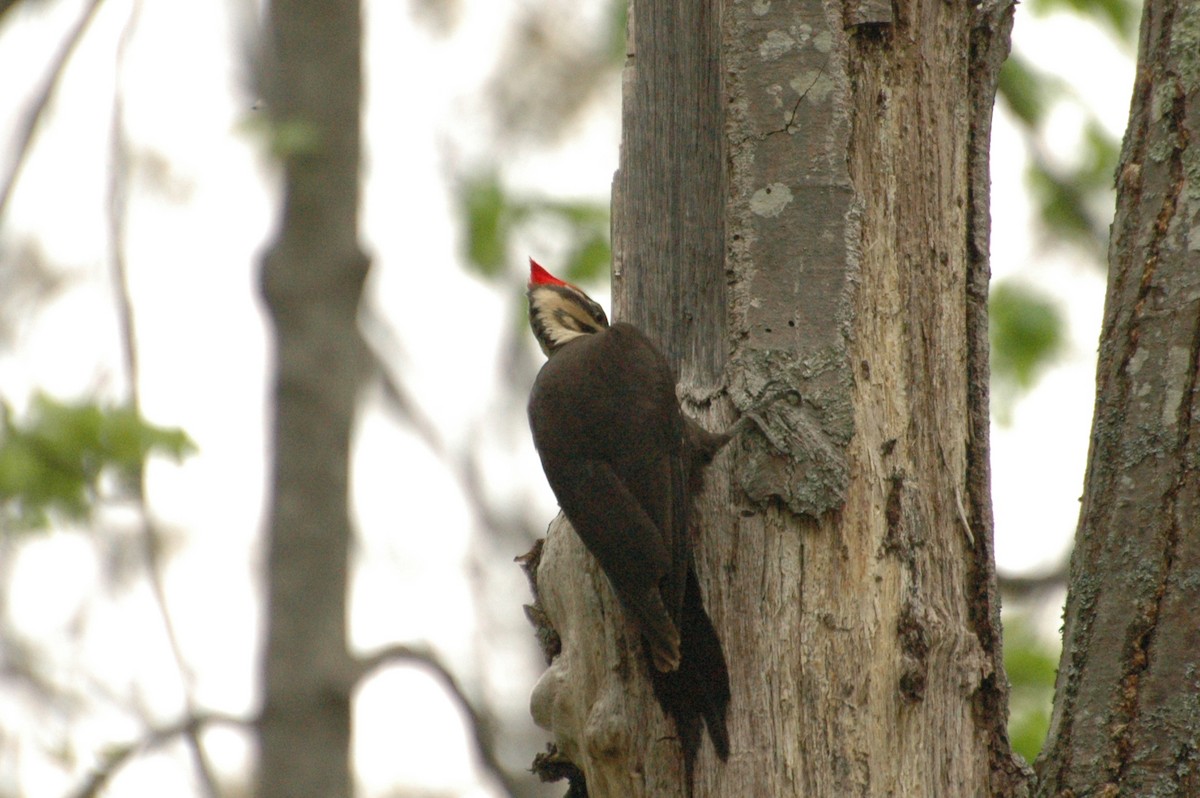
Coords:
618,532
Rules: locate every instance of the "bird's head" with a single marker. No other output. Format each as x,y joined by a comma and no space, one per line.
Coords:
558,311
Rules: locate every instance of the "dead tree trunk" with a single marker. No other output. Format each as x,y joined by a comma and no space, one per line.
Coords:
311,280
802,205
1126,717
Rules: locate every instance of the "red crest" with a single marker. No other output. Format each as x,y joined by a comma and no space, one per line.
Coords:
539,276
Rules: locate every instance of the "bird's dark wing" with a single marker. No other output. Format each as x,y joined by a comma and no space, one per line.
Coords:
624,464
621,536
607,426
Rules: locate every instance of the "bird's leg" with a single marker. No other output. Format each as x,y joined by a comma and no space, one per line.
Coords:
705,445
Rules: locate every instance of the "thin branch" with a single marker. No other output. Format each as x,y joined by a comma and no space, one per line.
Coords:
467,471
380,339
116,758
464,466
1022,588
6,5
481,726
33,116
118,201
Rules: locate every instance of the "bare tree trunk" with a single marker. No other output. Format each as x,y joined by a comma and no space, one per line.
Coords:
802,204
1126,717
312,279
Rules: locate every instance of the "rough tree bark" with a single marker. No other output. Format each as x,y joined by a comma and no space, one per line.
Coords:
802,203
312,278
1126,717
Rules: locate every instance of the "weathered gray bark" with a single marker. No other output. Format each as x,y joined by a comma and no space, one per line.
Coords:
1126,717
311,280
802,204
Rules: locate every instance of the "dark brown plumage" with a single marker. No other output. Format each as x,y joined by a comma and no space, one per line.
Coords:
624,463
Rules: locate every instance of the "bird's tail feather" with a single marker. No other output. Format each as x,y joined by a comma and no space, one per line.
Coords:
697,694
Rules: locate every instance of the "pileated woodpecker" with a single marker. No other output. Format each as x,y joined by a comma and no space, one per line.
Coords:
624,464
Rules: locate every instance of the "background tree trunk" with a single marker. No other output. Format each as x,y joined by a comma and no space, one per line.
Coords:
1126,716
312,279
845,548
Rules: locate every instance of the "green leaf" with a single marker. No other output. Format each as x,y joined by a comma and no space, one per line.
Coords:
1027,726
283,138
587,215
1061,202
1029,92
492,215
53,461
295,137
1031,666
487,213
1029,663
1026,331
1074,202
1101,151
589,262
618,29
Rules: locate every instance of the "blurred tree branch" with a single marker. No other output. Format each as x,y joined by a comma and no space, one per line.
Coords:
118,757
464,466
1037,587
479,722
33,117
6,6
118,199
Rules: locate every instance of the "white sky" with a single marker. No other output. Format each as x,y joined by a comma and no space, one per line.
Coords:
192,257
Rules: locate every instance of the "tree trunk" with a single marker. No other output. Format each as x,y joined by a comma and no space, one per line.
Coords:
1126,717
312,278
802,207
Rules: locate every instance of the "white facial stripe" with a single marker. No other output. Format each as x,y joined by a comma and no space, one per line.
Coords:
561,318
561,335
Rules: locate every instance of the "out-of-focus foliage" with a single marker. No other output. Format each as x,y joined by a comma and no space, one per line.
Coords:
26,281
1031,328
53,461
1031,665
618,45
282,138
1119,16
561,58
1073,196
1074,200
1027,332
1029,91
492,215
